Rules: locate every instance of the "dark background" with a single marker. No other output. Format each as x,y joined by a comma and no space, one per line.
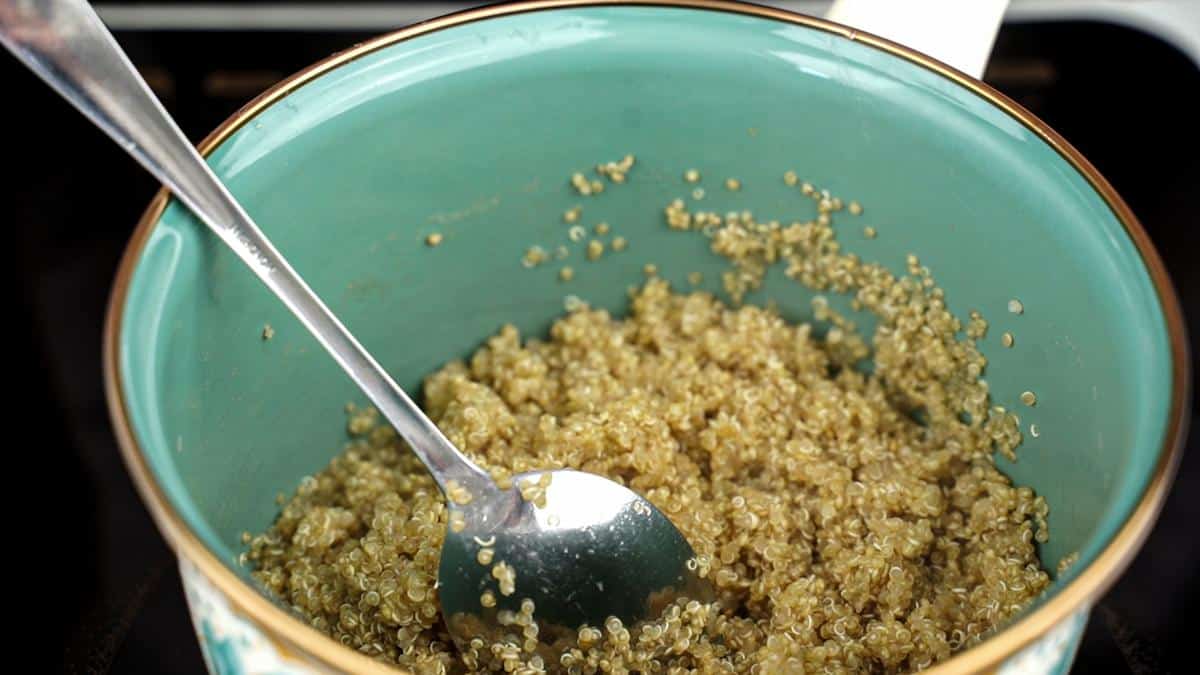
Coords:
71,199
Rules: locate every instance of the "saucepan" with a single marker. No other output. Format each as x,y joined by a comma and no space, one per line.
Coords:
464,130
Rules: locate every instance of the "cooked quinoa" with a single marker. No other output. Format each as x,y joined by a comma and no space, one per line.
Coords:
849,522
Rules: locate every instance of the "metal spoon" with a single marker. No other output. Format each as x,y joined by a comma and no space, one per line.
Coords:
592,549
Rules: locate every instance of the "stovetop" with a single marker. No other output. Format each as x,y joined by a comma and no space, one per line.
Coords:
117,607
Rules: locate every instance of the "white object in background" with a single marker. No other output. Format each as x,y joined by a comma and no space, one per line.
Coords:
957,32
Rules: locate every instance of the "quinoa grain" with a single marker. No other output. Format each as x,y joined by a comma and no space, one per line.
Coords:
841,534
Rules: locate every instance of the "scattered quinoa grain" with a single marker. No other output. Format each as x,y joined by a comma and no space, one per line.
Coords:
595,249
457,493
691,176
602,228
573,303
695,278
534,256
1016,307
854,208
535,490
619,244
268,332
1029,398
581,184
433,239
1007,339
1034,431
566,274
869,232
615,171
506,576
790,178
733,184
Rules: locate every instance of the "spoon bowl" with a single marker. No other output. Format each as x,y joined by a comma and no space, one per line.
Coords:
583,548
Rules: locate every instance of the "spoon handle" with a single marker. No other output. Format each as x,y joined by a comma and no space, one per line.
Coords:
67,45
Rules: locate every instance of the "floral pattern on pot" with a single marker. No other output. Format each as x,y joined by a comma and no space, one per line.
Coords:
231,645
1051,653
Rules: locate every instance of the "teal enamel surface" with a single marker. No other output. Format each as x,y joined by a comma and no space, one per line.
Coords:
473,131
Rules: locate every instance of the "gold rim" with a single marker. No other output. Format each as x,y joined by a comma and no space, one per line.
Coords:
299,638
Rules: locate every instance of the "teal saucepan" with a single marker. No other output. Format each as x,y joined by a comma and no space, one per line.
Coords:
468,127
